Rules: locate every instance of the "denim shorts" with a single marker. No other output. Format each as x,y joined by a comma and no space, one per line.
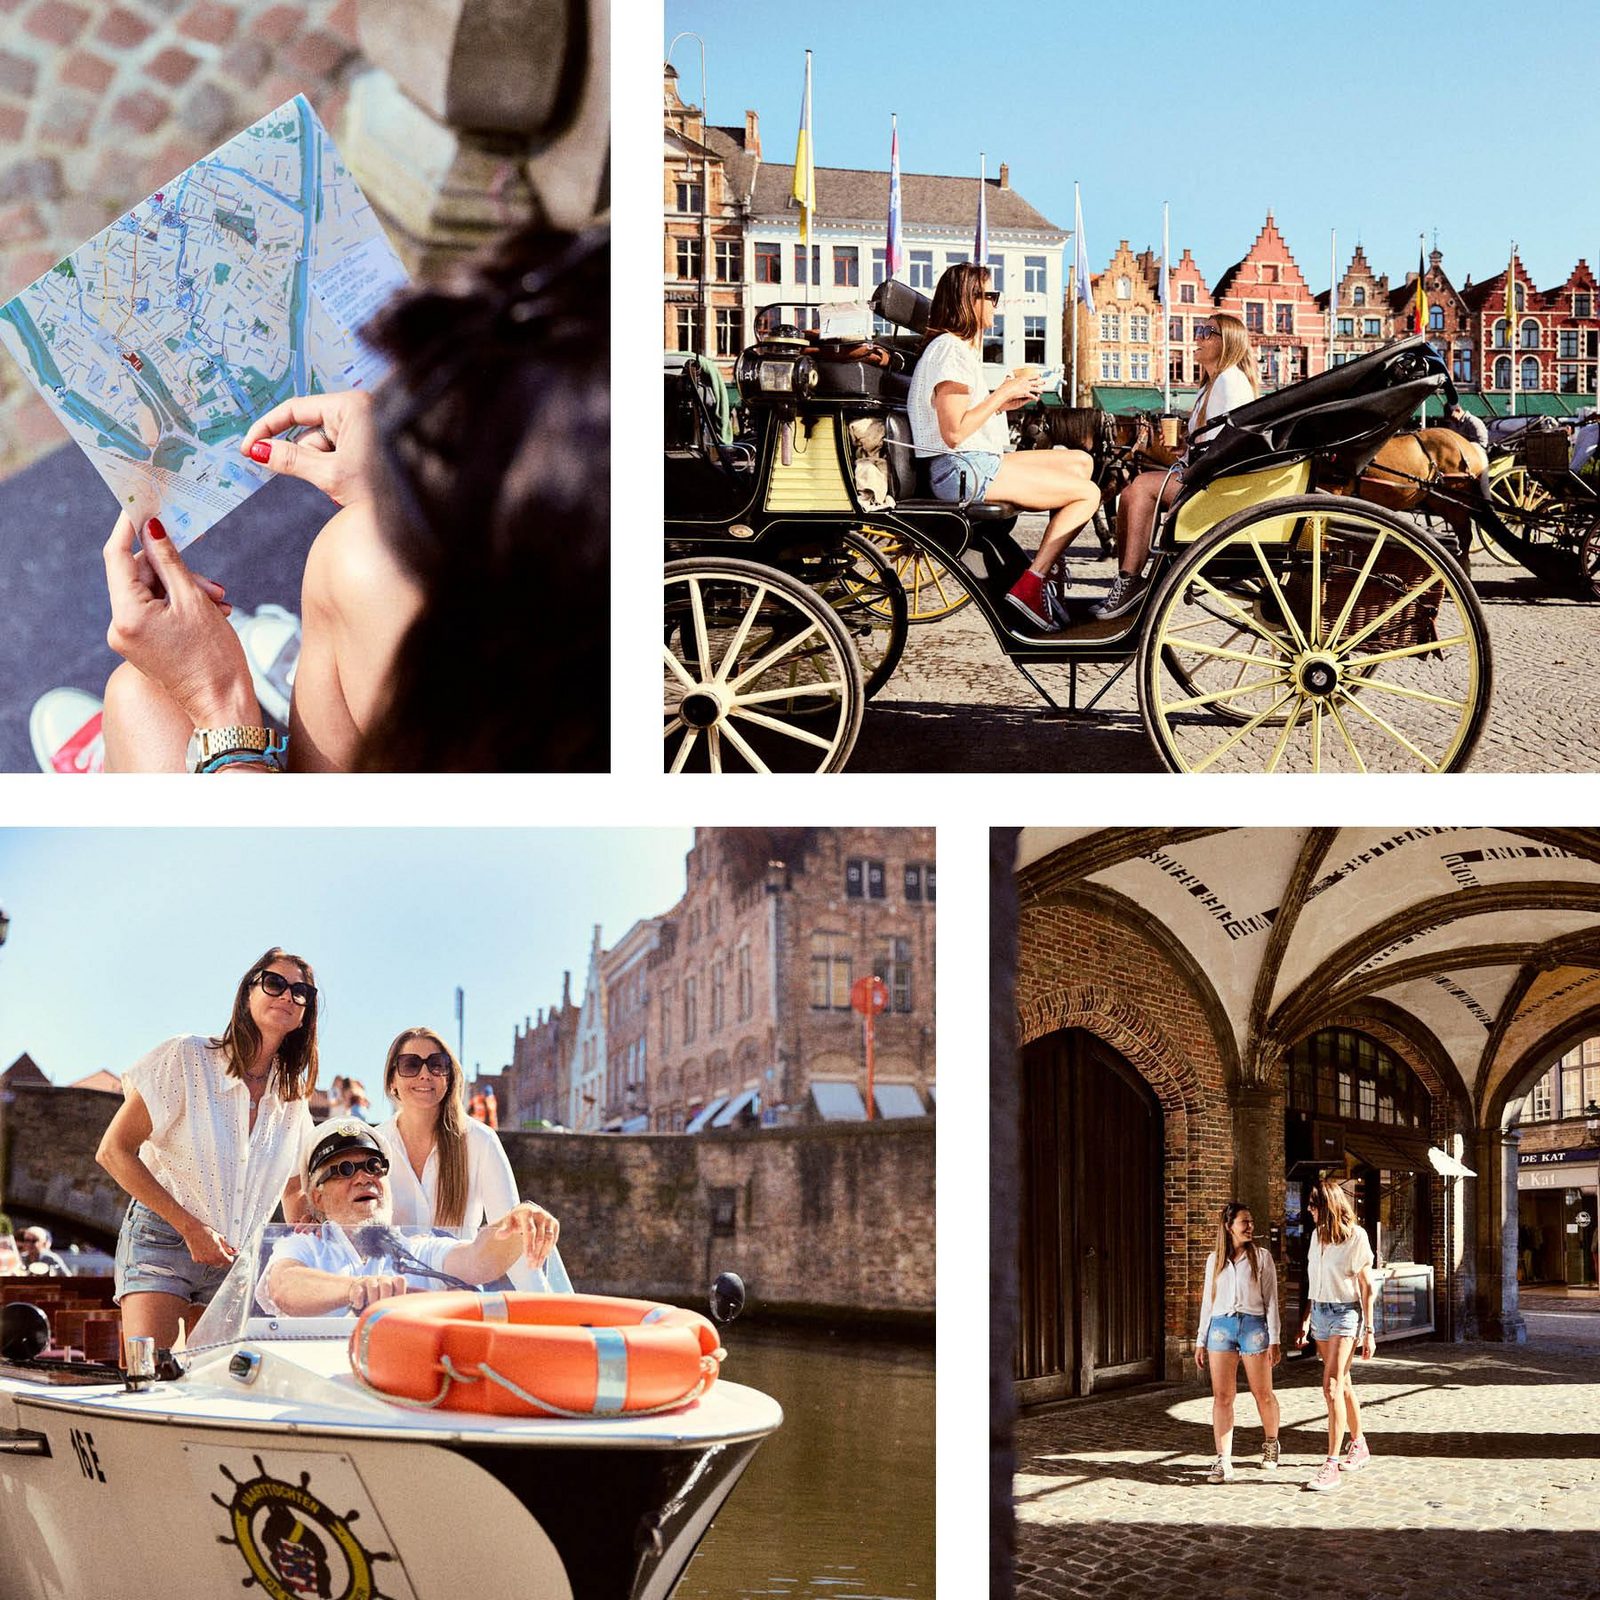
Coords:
1241,1331
963,475
151,1256
1334,1321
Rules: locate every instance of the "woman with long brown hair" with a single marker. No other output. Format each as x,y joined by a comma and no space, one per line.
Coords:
1239,1325
958,426
1339,1317
1228,364
447,1170
207,1143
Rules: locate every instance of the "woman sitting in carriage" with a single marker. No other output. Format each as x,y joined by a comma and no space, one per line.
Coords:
959,427
1222,350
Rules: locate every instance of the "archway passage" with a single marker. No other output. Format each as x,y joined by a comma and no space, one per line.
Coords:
1090,1224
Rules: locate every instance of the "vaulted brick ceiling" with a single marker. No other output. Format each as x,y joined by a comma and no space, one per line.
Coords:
1487,939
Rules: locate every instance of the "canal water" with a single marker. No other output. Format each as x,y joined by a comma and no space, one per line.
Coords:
839,1503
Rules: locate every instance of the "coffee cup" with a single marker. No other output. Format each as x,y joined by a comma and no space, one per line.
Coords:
1169,432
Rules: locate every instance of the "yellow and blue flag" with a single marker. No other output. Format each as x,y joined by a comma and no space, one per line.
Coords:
805,172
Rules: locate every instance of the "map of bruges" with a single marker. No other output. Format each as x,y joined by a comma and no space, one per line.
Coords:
237,285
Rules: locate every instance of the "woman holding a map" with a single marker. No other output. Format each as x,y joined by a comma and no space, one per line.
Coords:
466,569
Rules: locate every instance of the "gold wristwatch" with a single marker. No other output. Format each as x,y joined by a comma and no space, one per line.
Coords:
207,744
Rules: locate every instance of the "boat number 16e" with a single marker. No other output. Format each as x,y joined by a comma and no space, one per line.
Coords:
83,1444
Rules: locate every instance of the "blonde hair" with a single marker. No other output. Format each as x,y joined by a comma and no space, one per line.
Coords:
1236,352
450,1131
1336,1217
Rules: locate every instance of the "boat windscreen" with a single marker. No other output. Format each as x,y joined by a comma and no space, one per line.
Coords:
303,1275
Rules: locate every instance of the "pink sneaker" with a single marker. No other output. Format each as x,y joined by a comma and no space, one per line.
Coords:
64,727
1356,1456
1327,1478
1028,596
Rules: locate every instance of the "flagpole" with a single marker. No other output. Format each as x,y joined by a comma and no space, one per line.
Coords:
811,191
1072,311
1333,292
1511,323
1166,309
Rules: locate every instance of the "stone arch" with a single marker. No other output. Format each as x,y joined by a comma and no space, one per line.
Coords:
1534,1059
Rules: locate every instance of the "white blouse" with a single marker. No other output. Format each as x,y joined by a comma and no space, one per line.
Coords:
1236,1288
1336,1269
201,1148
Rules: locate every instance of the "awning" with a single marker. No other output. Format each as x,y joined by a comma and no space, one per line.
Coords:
724,1118
706,1113
897,1100
638,1124
1120,399
1387,1155
838,1102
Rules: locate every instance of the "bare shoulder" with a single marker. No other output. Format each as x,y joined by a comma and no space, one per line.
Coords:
351,570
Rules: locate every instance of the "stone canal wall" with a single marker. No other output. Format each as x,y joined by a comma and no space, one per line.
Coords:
831,1221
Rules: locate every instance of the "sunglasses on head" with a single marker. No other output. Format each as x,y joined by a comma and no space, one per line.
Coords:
373,1166
410,1066
274,984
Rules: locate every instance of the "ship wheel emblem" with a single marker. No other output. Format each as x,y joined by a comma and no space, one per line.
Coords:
294,1545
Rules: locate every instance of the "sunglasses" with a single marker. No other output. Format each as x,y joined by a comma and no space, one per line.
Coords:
410,1066
373,1166
1205,331
992,296
274,984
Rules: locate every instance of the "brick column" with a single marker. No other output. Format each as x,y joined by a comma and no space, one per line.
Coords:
480,115
1258,1154
1503,1315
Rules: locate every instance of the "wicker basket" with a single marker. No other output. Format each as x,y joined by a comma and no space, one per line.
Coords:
1546,450
1397,572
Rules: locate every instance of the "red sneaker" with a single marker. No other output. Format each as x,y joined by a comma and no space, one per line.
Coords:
1027,595
64,727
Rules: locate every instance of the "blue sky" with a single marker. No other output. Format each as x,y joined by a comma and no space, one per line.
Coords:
1381,120
123,937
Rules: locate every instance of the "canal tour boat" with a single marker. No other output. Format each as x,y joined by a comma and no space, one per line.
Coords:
277,1452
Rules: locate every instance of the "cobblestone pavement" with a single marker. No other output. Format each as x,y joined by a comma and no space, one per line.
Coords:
102,101
1484,1482
957,705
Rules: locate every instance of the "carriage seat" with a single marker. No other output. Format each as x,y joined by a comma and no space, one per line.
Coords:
908,478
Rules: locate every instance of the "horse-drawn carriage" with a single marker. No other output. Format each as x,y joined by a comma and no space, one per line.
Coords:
1544,500
1288,624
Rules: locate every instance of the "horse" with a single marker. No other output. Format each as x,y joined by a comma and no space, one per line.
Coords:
1432,470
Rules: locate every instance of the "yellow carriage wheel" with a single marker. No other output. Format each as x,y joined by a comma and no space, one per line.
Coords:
932,589
1315,634
758,673
1520,499
859,581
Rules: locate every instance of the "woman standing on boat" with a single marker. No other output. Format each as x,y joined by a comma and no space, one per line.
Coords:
1339,1317
1228,364
447,1170
1239,1325
960,429
207,1142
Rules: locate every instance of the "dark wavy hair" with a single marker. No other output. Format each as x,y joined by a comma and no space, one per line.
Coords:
296,1073
1224,1245
955,301
494,493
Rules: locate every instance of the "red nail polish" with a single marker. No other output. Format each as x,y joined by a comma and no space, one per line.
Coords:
261,451
154,529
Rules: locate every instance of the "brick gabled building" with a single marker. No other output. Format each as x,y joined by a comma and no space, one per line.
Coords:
1127,334
1571,318
1495,342
1363,319
540,1075
1269,293
1449,325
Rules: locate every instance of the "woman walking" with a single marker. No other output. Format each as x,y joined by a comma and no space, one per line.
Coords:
207,1143
1338,1317
1239,1324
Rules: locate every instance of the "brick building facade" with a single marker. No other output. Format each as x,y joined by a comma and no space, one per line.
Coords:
625,974
539,1079
1268,292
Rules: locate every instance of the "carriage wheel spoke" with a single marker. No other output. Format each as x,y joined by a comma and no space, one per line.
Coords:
1344,733
1249,727
772,657
746,623
697,607
736,740
1413,694
1406,650
761,721
1393,732
829,686
677,668
689,737
1332,640
1278,595
1316,736
1283,738
1394,610
714,749
1222,653
1219,695
1251,624
1319,529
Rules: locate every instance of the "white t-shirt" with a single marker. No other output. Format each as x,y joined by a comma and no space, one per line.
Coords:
1226,392
1335,1269
951,360
201,1149
1236,1288
330,1250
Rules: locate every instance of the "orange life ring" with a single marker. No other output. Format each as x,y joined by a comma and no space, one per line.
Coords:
518,1354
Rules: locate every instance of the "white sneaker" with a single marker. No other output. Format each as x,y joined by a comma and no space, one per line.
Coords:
271,640
1269,1455
1221,1471
64,727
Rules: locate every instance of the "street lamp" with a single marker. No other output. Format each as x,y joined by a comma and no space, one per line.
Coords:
705,190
